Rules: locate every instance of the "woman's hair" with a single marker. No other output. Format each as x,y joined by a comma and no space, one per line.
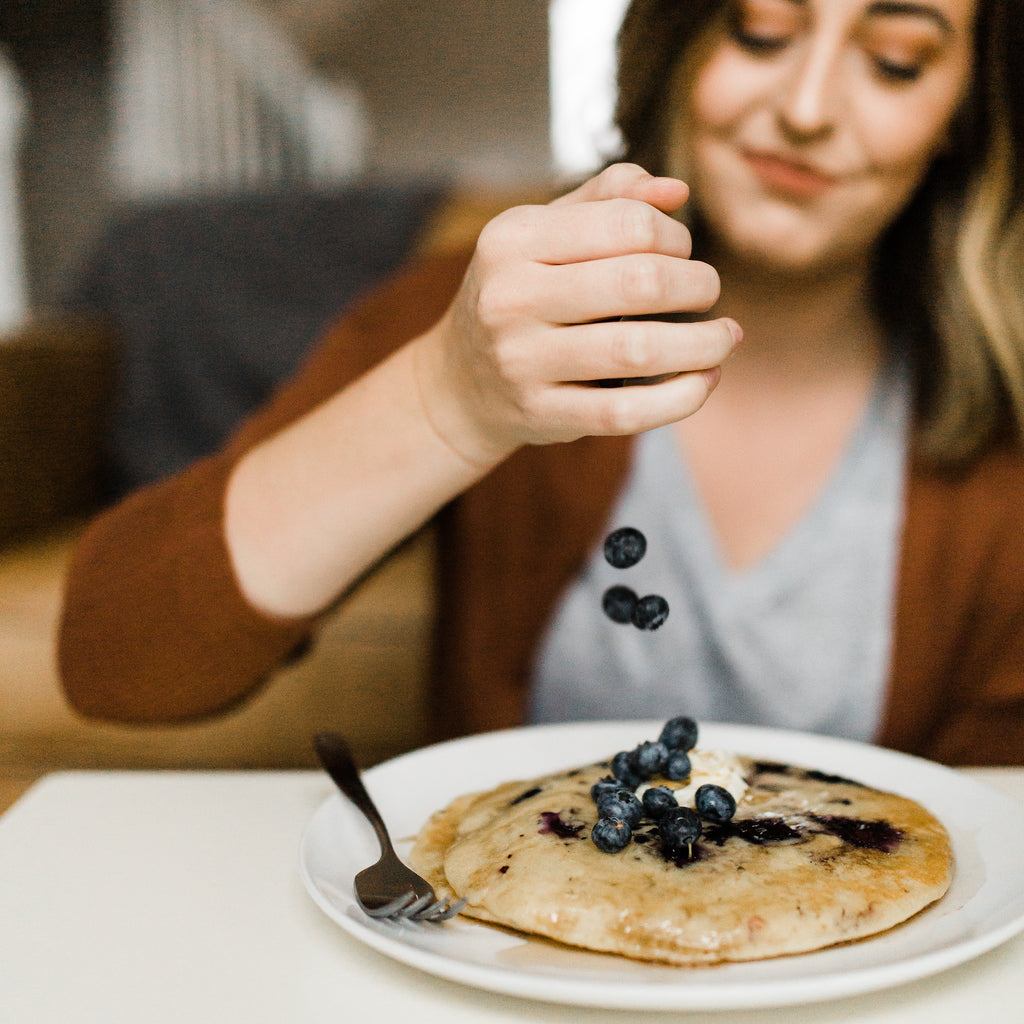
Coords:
950,273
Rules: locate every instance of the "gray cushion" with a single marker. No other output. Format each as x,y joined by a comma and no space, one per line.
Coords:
217,299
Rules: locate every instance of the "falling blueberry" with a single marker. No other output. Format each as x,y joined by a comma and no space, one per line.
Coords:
618,604
650,612
624,547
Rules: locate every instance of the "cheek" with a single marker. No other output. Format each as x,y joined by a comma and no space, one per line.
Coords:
903,138
900,149
723,90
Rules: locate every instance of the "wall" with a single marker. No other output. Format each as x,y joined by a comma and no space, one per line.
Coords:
59,48
456,88
459,87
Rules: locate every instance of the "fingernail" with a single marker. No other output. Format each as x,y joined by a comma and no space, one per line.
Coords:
735,330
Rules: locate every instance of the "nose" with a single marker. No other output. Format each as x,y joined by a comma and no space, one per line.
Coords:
808,104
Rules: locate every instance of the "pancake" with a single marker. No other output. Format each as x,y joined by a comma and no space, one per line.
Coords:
807,861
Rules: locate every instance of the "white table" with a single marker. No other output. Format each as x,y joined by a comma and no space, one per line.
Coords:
145,897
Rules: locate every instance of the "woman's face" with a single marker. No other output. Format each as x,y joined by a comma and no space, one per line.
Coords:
811,122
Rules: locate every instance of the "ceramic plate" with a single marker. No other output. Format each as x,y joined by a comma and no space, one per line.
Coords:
983,908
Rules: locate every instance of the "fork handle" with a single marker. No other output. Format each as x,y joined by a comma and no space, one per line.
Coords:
337,760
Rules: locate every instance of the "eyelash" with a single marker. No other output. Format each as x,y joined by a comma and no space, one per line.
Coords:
891,72
896,73
763,46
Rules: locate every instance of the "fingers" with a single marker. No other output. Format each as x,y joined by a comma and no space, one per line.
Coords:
637,348
641,284
554,384
628,181
578,232
605,251
622,210
538,318
579,409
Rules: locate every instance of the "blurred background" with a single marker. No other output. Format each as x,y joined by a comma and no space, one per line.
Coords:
101,100
190,192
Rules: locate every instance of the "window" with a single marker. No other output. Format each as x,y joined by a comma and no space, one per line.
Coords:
582,62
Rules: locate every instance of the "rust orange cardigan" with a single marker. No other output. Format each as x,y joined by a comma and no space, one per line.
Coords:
155,628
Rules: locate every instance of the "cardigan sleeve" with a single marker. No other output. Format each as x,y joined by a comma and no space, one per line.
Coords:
154,625
957,688
985,719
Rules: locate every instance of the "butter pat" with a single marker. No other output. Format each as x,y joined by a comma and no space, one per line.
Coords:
709,767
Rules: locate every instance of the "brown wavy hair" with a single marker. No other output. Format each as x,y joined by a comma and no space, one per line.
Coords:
949,276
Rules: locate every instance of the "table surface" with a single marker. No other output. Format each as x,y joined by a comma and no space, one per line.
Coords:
147,897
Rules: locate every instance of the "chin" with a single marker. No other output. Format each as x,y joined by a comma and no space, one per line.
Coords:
778,245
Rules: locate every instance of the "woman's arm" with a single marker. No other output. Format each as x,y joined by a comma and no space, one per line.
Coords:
182,599
511,362
154,625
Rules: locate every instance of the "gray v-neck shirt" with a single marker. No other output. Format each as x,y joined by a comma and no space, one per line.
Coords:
799,640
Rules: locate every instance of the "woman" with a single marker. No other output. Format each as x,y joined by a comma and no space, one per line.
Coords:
832,531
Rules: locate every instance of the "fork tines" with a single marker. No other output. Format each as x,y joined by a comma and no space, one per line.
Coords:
411,907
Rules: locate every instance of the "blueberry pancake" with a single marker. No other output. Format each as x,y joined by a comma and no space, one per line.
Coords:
732,859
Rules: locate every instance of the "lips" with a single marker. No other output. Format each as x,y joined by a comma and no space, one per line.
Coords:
788,176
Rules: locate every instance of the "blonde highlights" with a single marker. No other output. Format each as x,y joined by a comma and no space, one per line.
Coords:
978,389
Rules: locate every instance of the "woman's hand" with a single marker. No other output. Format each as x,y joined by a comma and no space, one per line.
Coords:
536,323
513,361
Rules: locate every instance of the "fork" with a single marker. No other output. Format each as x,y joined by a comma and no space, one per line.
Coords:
387,888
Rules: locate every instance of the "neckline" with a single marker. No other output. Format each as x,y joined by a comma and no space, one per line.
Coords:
886,398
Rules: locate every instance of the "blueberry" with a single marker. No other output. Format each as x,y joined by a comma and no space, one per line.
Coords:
611,835
650,612
678,766
650,758
624,771
618,604
679,827
608,783
622,803
715,803
680,733
624,547
657,800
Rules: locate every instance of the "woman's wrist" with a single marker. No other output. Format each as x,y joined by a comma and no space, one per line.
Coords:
312,508
446,411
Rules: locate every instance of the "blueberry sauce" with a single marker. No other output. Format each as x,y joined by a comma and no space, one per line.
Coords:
525,796
682,856
865,835
780,768
551,824
756,831
825,777
879,836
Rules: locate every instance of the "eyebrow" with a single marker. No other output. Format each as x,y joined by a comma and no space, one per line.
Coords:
888,8
903,8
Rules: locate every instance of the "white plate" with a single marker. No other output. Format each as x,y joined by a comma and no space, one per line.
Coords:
984,907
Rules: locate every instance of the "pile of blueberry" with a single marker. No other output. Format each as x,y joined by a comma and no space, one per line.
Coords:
620,810
623,548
